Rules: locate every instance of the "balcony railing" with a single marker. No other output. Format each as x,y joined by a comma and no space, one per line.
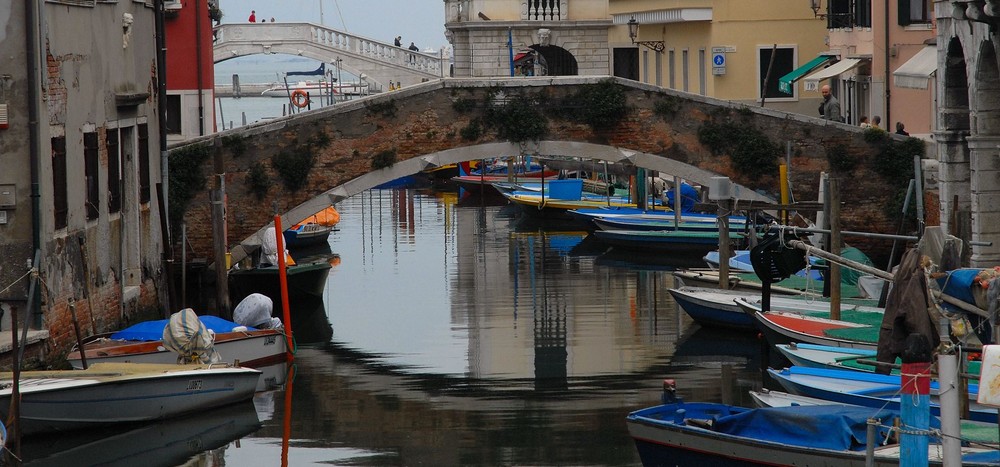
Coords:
544,10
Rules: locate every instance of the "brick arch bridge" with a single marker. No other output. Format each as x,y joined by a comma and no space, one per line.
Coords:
426,125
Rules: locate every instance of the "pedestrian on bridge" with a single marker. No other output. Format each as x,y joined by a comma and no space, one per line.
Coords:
253,16
399,41
413,47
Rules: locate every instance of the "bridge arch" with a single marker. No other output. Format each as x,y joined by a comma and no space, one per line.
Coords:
565,149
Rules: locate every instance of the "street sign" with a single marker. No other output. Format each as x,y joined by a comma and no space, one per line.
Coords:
718,63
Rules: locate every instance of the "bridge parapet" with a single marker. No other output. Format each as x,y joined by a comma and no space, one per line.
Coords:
380,62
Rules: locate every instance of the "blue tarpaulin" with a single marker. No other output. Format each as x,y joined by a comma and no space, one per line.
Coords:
153,330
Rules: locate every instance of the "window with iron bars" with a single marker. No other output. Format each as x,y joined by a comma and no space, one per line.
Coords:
844,14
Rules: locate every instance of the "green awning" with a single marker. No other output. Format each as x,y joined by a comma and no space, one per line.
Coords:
785,82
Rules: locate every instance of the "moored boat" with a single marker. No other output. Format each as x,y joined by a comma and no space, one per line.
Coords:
113,393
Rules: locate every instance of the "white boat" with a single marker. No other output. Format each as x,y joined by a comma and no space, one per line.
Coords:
113,393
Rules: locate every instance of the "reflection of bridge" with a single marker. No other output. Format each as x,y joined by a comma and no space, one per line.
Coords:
377,62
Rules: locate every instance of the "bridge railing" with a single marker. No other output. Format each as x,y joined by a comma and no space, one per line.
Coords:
267,35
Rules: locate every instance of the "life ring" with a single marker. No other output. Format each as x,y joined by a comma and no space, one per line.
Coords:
299,98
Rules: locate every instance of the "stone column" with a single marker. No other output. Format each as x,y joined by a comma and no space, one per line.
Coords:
984,186
953,174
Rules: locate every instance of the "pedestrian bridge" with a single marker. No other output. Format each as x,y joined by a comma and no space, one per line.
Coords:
376,62
341,150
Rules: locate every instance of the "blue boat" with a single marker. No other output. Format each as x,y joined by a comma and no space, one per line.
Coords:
676,242
679,433
865,389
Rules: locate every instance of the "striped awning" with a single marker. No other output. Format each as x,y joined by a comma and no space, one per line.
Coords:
841,67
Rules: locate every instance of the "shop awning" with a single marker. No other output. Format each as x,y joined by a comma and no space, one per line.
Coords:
785,82
843,66
917,71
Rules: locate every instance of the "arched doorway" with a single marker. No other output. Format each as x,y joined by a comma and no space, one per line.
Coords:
557,60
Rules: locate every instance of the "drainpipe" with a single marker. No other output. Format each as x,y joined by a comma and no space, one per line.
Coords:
198,67
161,85
888,92
34,84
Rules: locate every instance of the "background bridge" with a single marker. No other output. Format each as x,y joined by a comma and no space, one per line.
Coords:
377,62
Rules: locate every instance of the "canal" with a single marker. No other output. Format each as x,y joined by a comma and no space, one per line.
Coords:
462,334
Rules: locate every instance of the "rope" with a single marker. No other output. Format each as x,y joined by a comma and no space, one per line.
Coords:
12,284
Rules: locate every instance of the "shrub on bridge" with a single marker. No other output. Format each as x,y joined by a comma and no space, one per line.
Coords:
384,159
294,167
257,180
752,153
602,105
516,118
236,144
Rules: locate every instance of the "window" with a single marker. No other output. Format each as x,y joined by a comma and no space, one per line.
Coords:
702,66
863,13
670,70
849,13
783,64
60,206
914,12
143,163
684,69
173,114
90,167
114,171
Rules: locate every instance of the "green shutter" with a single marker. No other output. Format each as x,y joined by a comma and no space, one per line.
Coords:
903,12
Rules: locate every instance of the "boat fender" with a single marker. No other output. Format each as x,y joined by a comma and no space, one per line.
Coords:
299,98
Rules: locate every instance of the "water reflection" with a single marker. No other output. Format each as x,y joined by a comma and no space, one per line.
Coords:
167,443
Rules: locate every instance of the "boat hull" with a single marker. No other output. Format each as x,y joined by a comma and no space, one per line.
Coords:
252,349
709,307
109,394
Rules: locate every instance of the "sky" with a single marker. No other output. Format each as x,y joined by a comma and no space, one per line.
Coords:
419,21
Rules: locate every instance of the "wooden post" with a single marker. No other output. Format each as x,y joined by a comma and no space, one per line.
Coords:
222,304
835,241
724,253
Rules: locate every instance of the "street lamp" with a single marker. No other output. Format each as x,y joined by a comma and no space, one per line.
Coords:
815,5
633,32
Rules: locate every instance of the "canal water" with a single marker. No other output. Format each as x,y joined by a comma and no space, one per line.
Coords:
462,334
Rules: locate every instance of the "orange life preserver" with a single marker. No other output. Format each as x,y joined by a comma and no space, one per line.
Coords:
299,98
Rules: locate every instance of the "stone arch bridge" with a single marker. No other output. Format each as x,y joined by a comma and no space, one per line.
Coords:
378,62
441,122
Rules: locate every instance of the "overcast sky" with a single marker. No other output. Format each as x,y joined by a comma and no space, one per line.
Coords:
420,21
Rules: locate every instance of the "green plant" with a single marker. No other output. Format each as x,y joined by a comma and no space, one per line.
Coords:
602,105
319,141
894,162
186,179
430,134
840,158
463,104
257,180
751,151
472,131
517,119
667,107
293,167
386,109
236,144
875,135
384,159
744,111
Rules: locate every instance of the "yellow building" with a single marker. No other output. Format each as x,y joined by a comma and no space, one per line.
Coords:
721,49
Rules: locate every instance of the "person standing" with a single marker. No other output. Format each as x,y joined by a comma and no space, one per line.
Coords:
831,106
901,129
864,122
253,16
876,120
399,41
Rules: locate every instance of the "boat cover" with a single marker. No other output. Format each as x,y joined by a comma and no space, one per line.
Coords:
153,330
255,310
189,339
835,427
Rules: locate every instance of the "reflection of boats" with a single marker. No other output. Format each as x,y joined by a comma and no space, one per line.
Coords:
699,346
112,393
142,343
313,230
702,433
305,280
166,443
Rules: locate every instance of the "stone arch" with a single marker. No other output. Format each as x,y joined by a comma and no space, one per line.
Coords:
955,111
987,91
489,150
558,61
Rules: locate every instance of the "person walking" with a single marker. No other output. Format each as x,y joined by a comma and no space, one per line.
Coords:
830,110
253,16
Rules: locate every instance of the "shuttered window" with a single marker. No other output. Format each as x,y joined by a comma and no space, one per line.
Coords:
91,163
60,205
114,171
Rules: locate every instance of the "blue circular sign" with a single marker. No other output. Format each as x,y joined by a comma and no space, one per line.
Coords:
719,59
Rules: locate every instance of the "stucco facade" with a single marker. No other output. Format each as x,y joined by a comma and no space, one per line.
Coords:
745,33
81,158
190,70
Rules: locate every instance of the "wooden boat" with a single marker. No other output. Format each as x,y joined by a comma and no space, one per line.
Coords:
625,223
826,356
865,389
857,328
717,307
702,433
313,230
142,343
306,281
740,262
749,281
113,393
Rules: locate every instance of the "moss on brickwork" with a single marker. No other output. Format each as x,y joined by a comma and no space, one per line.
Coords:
236,144
384,159
186,180
257,180
293,167
752,153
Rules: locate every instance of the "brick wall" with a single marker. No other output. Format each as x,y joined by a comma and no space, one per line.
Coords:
426,121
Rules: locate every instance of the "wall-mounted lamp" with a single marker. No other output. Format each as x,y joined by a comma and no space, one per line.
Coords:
633,32
815,5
